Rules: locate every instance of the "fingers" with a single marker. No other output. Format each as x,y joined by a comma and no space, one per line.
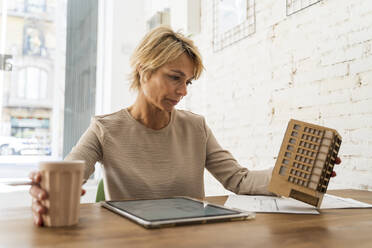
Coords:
38,220
37,211
338,160
35,176
38,193
37,207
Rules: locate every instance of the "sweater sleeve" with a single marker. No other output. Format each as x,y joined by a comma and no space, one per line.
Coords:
88,148
223,166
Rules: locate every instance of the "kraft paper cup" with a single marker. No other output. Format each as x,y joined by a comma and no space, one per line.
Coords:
62,181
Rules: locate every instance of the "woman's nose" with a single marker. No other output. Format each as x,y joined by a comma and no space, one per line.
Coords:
182,90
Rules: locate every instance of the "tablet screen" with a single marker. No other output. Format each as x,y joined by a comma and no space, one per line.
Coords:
167,209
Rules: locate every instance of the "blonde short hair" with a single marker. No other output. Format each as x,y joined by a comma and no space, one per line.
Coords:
160,46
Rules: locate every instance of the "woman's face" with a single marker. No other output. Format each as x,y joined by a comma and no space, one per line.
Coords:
167,85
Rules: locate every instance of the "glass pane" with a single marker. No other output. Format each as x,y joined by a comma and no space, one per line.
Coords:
21,84
36,6
231,14
43,84
32,83
33,35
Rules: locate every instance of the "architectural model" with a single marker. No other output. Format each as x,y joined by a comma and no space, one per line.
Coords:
305,162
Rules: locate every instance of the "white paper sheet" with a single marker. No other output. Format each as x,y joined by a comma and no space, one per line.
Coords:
332,201
271,204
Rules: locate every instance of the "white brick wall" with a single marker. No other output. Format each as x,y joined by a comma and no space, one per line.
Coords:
315,65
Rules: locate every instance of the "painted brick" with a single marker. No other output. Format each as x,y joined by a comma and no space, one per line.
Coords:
361,65
343,55
362,107
351,122
323,73
363,92
365,78
360,36
338,83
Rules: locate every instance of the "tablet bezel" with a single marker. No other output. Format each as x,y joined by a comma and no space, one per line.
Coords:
240,215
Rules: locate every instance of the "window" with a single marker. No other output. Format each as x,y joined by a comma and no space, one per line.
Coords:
32,83
232,21
160,18
32,94
34,42
294,6
16,6
35,6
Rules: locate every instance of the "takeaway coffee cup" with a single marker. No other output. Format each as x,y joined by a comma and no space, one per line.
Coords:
62,181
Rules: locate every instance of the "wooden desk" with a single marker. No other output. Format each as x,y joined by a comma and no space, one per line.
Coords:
99,227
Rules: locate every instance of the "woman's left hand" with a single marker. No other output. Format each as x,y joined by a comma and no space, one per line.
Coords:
338,161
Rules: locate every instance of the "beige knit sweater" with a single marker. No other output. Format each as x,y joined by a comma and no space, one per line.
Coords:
140,162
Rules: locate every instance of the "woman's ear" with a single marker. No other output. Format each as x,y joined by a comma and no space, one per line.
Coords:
140,74
144,76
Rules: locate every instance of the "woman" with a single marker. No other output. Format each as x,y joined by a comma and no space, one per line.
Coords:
150,149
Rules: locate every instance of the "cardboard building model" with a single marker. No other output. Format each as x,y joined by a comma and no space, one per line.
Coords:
305,162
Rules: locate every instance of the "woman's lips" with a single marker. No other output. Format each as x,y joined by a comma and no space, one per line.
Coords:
173,102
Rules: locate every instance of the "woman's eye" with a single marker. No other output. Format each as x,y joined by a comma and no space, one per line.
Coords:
178,79
175,77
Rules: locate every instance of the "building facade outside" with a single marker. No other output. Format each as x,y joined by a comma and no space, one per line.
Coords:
28,89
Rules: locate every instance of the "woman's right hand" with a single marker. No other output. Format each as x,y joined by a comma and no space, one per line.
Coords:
37,194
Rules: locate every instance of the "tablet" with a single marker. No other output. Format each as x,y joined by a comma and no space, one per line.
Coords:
155,213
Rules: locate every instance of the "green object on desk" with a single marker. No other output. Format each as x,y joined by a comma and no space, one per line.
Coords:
100,192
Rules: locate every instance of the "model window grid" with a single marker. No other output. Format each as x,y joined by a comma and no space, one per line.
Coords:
313,151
